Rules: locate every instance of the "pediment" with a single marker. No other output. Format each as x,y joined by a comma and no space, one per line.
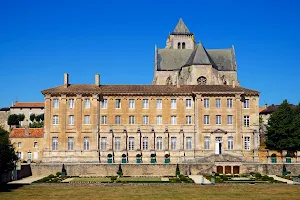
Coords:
219,131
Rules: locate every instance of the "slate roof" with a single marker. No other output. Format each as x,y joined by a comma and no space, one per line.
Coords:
20,133
181,29
199,57
5,109
147,89
29,105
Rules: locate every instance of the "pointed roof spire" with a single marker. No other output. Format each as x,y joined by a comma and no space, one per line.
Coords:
199,57
181,29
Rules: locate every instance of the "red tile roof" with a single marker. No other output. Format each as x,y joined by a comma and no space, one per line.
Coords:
20,132
29,105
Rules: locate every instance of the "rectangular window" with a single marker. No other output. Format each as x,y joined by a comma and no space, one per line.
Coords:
145,120
35,145
71,120
188,143
29,156
103,143
131,143
229,103
55,120
19,154
71,103
131,119
87,103
173,103
247,103
173,143
35,155
230,143
206,142
173,120
117,143
188,103
70,143
55,103
118,103
86,143
103,119
118,120
218,103
145,143
159,120
206,103
104,103
229,119
54,143
218,119
131,104
206,119
86,119
188,119
19,144
145,104
159,143
247,143
158,104
246,121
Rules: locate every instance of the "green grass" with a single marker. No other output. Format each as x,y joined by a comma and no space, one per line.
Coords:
137,192
94,180
142,179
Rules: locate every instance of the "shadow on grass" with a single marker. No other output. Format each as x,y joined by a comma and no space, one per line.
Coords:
10,187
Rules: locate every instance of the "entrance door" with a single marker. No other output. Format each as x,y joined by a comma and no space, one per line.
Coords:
218,145
29,156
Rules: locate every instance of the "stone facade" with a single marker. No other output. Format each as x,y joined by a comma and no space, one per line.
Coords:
4,113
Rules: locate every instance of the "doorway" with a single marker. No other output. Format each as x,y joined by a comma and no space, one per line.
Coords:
218,145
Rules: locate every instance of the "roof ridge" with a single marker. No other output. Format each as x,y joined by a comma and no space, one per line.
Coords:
181,28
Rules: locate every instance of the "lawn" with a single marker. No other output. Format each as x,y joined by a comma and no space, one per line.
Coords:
93,180
132,192
140,179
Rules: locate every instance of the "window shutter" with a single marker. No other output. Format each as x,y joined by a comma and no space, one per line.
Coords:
21,155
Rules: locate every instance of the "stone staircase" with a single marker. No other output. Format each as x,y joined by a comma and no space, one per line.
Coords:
199,179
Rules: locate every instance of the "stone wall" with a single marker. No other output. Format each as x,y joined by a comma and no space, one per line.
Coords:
3,119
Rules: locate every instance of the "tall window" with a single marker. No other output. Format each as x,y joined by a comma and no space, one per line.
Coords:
131,143
230,143
173,143
188,103
247,143
246,121
246,103
71,103
178,45
86,143
54,143
206,142
19,144
229,119
218,103
131,103
229,103
70,143
173,103
183,45
145,143
35,145
118,103
103,143
173,120
206,103
131,119
117,143
145,104
145,120
86,119
206,119
71,119
188,143
87,103
55,103
218,119
103,119
188,119
158,103
104,103
159,120
118,120
55,120
159,143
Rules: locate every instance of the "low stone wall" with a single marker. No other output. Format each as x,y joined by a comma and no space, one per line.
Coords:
24,172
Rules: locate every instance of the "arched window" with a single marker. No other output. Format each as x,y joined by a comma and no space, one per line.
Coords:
201,80
183,45
178,45
169,81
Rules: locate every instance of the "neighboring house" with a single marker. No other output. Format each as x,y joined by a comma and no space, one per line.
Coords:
28,143
4,113
27,108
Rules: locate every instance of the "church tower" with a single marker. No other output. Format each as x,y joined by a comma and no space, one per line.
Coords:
181,37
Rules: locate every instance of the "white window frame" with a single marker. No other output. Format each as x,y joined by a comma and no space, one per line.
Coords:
86,143
117,143
206,119
55,120
131,143
103,143
229,103
131,119
54,143
188,120
104,119
230,143
87,103
247,143
188,140
118,103
188,103
104,103
35,155
55,103
145,143
71,120
145,104
173,120
158,103
246,121
206,103
145,120
173,104
229,120
159,143
158,120
206,143
70,143
71,103
35,144
218,119
218,103
86,120
173,143
117,119
131,104
246,103
19,144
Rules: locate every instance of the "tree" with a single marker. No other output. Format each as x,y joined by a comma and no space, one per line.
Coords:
7,152
21,117
38,118
32,117
13,120
42,116
177,170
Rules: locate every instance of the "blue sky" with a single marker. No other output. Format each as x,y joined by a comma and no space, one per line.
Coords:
40,40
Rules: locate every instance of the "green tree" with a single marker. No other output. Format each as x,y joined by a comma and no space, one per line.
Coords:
42,116
21,117
13,120
32,117
296,127
38,118
7,152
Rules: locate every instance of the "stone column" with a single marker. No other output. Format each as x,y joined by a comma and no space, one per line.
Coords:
63,123
47,123
78,121
238,123
198,122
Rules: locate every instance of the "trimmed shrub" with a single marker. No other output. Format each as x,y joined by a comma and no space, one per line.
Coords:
51,176
113,178
58,173
257,175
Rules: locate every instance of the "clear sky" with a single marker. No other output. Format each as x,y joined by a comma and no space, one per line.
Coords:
40,40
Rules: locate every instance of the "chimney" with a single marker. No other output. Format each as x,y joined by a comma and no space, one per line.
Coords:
97,79
233,83
66,80
177,82
26,131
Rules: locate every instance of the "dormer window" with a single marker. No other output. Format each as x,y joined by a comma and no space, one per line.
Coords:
201,80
